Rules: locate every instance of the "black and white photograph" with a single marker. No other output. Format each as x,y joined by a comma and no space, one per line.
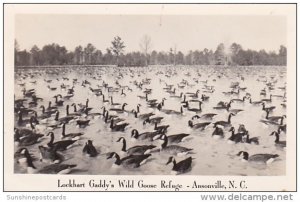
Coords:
138,94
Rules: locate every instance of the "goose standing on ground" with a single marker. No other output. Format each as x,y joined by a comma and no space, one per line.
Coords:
50,169
136,150
258,158
133,161
180,167
173,149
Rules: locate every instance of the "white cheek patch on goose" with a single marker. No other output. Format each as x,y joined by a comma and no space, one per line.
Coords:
270,160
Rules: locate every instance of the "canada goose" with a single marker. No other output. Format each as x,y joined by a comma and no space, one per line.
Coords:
82,123
172,112
153,120
119,110
235,138
253,140
254,102
50,169
176,96
176,138
142,116
58,102
60,145
136,150
24,122
49,108
143,136
267,109
182,166
204,116
51,88
239,100
27,140
112,102
223,105
277,141
275,118
218,133
173,149
204,98
118,127
258,158
75,113
89,149
195,109
72,136
65,119
150,101
267,100
201,126
132,161
104,100
225,123
162,128
49,154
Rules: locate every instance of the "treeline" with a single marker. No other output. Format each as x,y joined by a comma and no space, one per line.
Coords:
54,54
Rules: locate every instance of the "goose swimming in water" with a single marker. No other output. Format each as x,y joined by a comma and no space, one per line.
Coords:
60,145
119,110
50,169
89,149
225,123
235,138
277,141
258,158
201,126
267,109
205,116
162,128
275,118
72,136
49,154
132,161
27,140
180,167
267,100
218,133
176,138
173,149
135,150
143,136
118,127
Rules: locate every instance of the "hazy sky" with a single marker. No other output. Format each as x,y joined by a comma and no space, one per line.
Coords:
187,32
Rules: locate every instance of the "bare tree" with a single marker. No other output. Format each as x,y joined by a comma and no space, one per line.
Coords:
145,46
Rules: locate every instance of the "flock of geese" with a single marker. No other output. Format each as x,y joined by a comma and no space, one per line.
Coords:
40,120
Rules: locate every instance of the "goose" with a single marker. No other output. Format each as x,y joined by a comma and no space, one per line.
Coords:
72,136
195,95
49,108
177,96
47,113
162,128
119,110
235,138
65,119
21,132
103,99
89,149
254,102
132,161
58,102
218,133
114,117
118,127
201,126
75,113
267,100
60,145
253,140
66,97
50,169
49,154
135,135
112,102
204,116
281,128
223,105
267,109
136,150
82,123
171,91
142,116
204,98
234,111
25,122
258,158
150,101
172,112
225,123
239,100
180,167
27,140
195,109
51,88
173,149
275,118
176,138
153,120
277,141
